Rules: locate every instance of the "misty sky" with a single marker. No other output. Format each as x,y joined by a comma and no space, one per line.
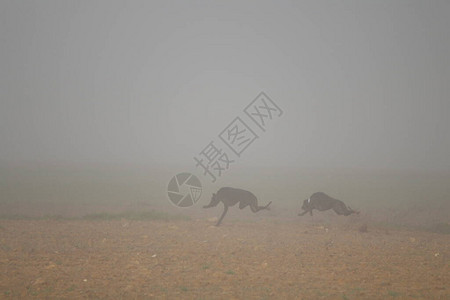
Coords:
362,83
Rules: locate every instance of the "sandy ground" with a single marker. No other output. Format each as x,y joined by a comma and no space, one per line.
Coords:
242,259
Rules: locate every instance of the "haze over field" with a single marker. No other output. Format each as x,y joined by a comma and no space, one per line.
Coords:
97,93
363,84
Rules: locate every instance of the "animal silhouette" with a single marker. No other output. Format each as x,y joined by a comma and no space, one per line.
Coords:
230,196
322,202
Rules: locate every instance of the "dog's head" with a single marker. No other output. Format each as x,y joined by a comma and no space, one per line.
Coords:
306,204
214,201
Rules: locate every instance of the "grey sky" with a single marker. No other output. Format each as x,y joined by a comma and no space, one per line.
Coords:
362,83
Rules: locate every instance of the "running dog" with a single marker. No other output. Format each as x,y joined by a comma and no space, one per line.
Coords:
322,201
230,196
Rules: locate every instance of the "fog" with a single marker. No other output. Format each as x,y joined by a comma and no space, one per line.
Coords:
103,103
362,85
127,95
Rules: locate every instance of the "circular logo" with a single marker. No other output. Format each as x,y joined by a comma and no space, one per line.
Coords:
184,190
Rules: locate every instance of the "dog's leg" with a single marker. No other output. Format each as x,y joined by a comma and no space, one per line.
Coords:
243,204
339,211
266,207
225,209
352,211
303,213
255,208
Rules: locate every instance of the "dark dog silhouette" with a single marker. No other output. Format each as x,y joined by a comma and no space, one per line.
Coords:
230,196
322,201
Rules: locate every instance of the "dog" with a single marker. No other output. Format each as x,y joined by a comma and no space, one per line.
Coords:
322,202
230,196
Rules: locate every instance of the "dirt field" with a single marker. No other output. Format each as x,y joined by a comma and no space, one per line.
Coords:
191,259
